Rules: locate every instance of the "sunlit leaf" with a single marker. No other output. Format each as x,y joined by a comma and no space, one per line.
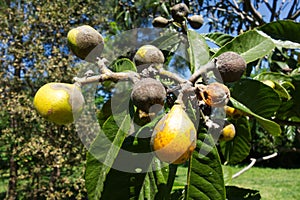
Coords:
218,38
250,45
103,152
282,30
205,174
198,50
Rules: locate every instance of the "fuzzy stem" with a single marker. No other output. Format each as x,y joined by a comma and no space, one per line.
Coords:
202,71
107,75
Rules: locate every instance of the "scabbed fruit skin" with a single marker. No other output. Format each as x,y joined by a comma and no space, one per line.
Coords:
160,22
148,92
174,137
60,103
196,21
85,42
179,12
227,133
146,55
231,66
215,94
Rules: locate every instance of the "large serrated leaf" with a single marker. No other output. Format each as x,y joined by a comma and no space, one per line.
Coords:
198,50
250,45
258,97
103,152
282,30
205,173
270,126
238,149
167,42
218,38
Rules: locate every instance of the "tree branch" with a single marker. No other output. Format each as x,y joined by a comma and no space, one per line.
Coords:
271,9
253,161
292,9
202,71
106,75
295,15
249,7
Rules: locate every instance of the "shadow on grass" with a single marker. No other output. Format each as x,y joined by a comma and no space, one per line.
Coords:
236,193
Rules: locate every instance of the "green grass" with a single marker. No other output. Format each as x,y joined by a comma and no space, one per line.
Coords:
272,184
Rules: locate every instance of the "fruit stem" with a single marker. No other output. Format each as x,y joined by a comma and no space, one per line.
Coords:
106,74
202,71
171,75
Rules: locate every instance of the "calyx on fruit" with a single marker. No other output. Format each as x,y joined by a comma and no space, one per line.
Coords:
85,42
179,12
60,103
215,94
227,133
196,21
148,95
146,55
231,66
160,22
174,137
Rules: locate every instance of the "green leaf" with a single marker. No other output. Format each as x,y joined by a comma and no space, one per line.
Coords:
123,64
103,152
258,97
218,38
205,173
198,50
282,30
167,41
238,149
250,45
270,126
274,76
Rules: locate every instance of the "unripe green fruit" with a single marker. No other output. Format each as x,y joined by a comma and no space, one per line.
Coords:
85,42
60,103
196,21
148,93
160,22
179,12
174,137
231,66
147,55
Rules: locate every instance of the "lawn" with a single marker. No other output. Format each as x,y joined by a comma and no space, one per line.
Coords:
273,184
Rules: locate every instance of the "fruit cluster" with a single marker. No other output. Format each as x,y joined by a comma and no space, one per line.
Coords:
174,136
180,14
